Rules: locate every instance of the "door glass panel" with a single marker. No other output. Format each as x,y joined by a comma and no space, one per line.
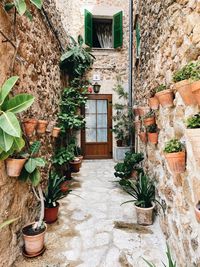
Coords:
91,135
90,121
101,121
90,106
102,106
102,135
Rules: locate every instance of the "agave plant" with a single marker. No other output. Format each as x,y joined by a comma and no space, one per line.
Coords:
10,131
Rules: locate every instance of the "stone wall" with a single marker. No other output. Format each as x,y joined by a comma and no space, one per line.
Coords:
170,38
37,66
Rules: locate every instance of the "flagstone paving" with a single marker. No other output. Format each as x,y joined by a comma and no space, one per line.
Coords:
93,230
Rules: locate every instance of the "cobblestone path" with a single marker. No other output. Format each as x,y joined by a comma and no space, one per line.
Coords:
93,230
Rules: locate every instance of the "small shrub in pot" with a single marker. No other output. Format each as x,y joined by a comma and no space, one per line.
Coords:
165,96
152,133
149,118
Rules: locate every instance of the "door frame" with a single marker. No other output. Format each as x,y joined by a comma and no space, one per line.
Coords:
110,136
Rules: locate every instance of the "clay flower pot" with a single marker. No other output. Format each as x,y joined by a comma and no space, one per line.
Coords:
81,158
75,165
29,126
196,90
149,121
42,126
153,138
144,215
185,90
143,137
51,214
165,98
197,212
14,166
136,111
193,135
154,103
119,143
176,161
143,111
34,242
56,131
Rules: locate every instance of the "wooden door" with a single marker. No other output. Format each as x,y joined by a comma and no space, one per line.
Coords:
96,138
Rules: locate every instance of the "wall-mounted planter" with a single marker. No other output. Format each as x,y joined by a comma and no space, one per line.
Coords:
176,161
143,137
153,138
51,214
14,166
144,215
165,98
42,126
185,90
154,103
143,111
197,212
194,138
196,90
29,126
149,121
56,132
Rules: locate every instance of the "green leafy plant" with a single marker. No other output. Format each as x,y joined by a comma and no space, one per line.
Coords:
64,155
21,7
190,71
30,170
174,145
171,263
54,191
152,128
10,131
160,88
77,59
131,163
194,121
143,191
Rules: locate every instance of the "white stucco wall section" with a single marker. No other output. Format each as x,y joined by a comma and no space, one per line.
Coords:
101,11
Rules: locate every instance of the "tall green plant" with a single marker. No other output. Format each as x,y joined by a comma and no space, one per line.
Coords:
189,71
10,131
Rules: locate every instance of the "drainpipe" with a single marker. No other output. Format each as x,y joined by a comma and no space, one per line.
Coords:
130,79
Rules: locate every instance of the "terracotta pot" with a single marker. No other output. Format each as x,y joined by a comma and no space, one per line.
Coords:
119,143
165,98
56,131
75,165
185,90
153,138
144,215
81,159
42,126
33,243
176,161
29,126
143,137
149,121
14,166
51,214
143,110
196,90
136,111
197,212
154,103
193,135
137,125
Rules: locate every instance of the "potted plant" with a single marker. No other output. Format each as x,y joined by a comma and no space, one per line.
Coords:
175,156
153,101
130,166
183,79
75,164
149,118
143,192
56,190
152,134
193,133
14,166
197,211
165,96
56,131
41,126
10,131
29,126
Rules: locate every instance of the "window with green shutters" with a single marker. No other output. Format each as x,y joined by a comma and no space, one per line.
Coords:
104,33
138,39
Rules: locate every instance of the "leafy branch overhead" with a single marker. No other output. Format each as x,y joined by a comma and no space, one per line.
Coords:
10,131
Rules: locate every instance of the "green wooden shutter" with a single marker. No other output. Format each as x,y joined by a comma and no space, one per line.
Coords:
138,39
118,30
88,28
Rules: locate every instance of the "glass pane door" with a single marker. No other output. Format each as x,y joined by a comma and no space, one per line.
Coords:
96,116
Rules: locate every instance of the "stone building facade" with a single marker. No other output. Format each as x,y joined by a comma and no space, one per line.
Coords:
170,38
37,65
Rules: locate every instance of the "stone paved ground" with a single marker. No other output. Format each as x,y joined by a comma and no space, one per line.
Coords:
93,230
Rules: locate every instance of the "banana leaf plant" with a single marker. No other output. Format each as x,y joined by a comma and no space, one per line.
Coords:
10,130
